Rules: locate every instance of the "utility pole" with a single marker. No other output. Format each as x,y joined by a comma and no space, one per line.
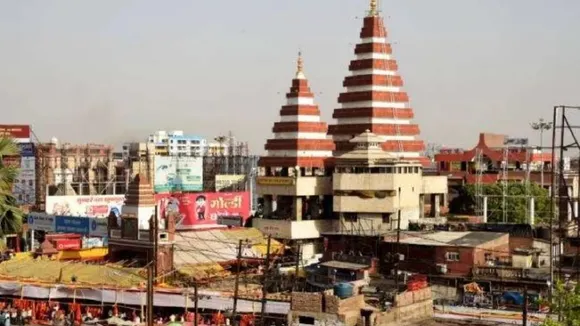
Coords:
264,285
397,245
237,282
196,304
297,266
152,266
525,307
541,126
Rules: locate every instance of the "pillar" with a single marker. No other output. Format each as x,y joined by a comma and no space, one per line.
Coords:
268,206
532,212
484,213
435,205
297,209
421,206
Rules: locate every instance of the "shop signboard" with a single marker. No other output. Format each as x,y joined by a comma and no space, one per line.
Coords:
26,149
98,227
275,181
225,181
178,173
85,206
40,222
18,132
71,224
68,244
203,209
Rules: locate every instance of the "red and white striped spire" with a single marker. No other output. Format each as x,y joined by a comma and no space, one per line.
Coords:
300,137
374,98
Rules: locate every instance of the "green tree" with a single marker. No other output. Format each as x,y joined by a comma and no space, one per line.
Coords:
516,203
10,214
566,303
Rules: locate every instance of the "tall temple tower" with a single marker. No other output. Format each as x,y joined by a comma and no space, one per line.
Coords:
374,98
294,185
300,137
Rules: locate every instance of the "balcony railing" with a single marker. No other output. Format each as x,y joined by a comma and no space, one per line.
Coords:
500,272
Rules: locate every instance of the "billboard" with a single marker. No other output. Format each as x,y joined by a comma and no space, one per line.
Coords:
89,226
26,149
18,132
178,173
24,187
88,206
225,181
203,209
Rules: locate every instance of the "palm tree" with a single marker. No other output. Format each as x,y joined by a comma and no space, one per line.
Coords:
10,214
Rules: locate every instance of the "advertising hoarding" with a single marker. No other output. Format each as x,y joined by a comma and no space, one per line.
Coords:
203,209
18,132
87,206
26,149
89,226
24,187
178,173
225,181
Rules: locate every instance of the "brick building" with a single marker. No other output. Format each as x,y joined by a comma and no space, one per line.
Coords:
448,253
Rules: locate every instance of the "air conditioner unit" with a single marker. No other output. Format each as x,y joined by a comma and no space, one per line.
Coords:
163,236
442,268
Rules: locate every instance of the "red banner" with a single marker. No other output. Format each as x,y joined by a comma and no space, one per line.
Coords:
202,209
68,244
15,131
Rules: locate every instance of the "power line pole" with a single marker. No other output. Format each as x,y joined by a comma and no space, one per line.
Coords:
397,245
525,307
152,266
297,266
237,282
265,284
196,304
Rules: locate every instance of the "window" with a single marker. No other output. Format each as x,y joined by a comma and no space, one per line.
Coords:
488,257
306,320
350,217
452,256
387,218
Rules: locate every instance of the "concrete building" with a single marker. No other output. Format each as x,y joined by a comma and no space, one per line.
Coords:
176,143
373,189
493,154
294,181
365,195
66,169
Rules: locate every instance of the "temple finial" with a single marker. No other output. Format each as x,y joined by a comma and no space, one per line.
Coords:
373,8
300,66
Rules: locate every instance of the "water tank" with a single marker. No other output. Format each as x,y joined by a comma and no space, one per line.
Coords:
343,290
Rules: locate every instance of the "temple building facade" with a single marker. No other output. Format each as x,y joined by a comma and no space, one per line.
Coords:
362,175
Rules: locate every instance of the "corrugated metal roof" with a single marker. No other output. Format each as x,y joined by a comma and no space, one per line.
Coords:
219,246
446,238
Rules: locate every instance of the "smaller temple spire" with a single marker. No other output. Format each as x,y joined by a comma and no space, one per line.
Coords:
300,67
373,9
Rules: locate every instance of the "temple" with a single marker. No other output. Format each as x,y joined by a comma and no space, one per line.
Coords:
374,99
299,137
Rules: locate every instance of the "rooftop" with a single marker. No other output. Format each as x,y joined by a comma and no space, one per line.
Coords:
344,265
210,247
27,269
446,238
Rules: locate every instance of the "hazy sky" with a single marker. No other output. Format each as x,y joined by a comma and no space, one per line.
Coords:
116,70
